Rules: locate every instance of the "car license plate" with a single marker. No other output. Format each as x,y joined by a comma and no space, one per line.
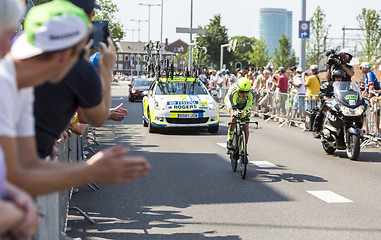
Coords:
192,115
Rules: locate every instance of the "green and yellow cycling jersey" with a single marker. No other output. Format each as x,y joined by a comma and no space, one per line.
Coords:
233,99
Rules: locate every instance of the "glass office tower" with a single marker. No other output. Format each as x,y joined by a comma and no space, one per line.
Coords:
273,22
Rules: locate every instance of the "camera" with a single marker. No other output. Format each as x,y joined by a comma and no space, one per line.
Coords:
334,58
100,33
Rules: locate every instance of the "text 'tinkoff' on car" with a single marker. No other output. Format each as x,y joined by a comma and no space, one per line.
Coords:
179,102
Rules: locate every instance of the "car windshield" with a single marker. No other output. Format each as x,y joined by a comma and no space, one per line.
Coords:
179,88
143,82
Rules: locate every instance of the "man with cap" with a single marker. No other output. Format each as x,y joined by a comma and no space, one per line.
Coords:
313,84
371,81
18,213
282,84
55,35
299,103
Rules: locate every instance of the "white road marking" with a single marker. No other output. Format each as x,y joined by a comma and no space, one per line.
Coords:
117,98
222,144
329,197
264,164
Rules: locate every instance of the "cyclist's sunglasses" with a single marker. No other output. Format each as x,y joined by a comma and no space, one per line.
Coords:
244,91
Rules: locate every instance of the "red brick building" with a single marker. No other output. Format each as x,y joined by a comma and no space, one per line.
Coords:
127,58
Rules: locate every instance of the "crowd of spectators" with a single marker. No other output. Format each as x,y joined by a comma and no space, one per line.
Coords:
284,93
46,80
272,88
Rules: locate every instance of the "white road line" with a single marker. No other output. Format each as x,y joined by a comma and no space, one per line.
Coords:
222,144
329,197
117,98
264,164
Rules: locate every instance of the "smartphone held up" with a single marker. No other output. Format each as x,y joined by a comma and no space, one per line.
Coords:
101,32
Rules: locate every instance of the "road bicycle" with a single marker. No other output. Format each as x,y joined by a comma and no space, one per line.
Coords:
239,152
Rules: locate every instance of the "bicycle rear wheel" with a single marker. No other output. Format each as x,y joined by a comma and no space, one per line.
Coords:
234,153
242,155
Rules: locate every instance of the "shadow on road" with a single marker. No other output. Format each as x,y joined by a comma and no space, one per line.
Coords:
368,156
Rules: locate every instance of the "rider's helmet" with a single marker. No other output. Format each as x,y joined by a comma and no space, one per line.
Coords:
347,52
243,85
338,73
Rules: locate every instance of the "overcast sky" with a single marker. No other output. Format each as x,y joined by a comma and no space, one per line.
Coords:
241,17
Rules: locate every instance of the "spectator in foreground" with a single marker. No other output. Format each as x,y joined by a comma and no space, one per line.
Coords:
18,213
36,58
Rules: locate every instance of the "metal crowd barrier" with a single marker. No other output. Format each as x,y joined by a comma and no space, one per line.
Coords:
372,137
54,207
288,108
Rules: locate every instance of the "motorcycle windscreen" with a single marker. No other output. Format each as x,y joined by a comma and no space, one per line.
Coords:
348,93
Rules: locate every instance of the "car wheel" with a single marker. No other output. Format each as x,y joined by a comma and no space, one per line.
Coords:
213,129
151,128
145,124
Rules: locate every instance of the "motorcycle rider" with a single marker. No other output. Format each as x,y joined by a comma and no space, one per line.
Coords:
338,75
239,98
339,70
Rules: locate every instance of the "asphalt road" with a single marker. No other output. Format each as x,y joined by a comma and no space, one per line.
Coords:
293,190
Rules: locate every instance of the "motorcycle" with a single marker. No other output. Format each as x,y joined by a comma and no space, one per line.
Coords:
344,115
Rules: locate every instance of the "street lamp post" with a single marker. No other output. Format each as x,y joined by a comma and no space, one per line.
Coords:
139,21
161,32
303,45
149,16
191,40
132,30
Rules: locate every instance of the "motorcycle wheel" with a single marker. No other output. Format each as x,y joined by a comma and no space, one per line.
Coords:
328,149
353,147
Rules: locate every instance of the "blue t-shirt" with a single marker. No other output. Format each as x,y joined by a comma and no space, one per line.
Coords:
55,104
372,80
94,59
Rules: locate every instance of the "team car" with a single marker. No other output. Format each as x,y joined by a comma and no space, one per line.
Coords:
179,102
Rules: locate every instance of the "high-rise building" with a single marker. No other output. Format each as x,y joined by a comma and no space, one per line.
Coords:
273,22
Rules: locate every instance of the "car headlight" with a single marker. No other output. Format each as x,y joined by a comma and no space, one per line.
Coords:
212,105
352,111
133,91
160,106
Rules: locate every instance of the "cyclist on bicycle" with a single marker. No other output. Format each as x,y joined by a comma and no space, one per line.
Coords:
239,102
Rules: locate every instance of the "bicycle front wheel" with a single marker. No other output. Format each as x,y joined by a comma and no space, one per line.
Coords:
242,155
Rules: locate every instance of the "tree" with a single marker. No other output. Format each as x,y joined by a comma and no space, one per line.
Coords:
370,23
245,46
284,57
316,45
259,57
215,36
108,13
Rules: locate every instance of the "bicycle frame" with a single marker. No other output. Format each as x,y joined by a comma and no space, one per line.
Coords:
239,151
